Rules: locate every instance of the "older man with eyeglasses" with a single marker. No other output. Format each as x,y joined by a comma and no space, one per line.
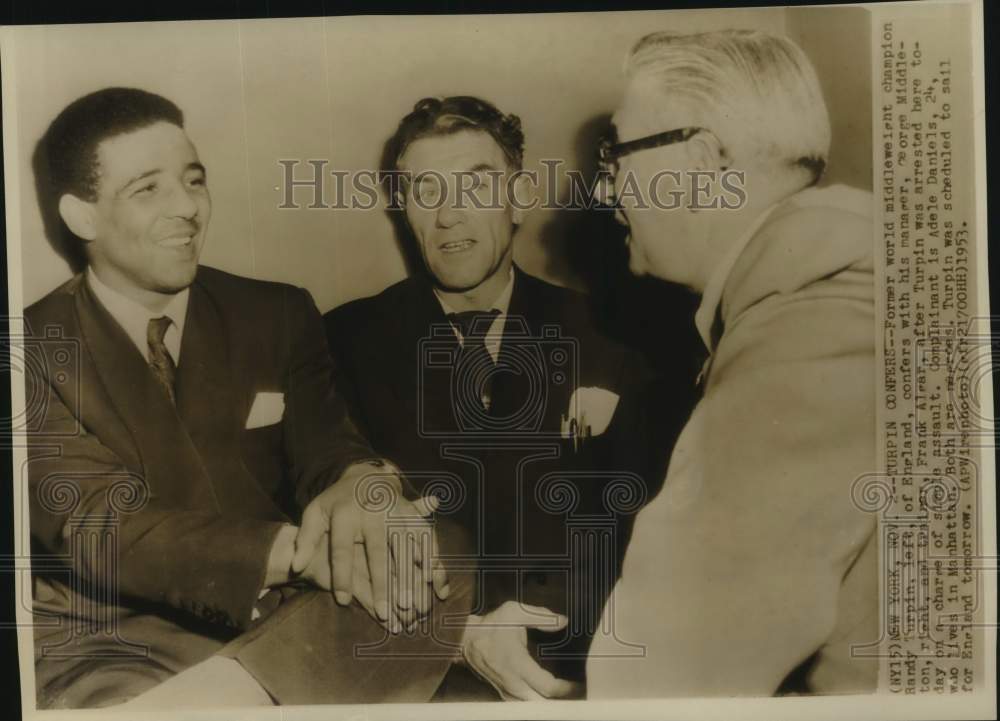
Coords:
752,567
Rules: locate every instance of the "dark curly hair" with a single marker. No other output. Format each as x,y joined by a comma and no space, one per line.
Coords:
65,158
70,144
445,116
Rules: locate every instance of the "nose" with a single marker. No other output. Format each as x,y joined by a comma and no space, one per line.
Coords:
448,215
183,204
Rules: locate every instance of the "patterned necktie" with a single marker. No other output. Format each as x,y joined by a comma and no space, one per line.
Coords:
160,361
474,368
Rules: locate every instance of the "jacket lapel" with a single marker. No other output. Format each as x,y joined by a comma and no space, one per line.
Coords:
206,403
519,358
422,376
170,464
211,408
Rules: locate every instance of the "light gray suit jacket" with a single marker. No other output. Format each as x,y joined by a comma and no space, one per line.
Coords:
754,558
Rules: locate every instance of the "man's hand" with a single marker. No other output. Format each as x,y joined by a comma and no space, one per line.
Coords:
279,562
318,572
376,544
495,646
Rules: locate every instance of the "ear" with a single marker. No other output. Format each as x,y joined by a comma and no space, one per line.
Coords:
705,155
707,152
79,216
519,197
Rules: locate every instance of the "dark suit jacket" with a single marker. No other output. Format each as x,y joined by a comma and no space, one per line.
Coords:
525,494
184,501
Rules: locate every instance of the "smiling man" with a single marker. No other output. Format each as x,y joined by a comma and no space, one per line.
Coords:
494,388
186,422
753,570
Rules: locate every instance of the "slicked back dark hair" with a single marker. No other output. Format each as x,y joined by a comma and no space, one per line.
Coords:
445,116
72,139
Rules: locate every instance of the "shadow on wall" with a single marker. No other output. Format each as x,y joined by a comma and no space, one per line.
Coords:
653,316
62,240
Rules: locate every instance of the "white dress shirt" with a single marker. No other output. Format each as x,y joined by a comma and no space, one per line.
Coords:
494,336
134,318
495,333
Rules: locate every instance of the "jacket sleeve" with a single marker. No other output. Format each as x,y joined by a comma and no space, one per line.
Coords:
321,439
340,334
342,329
734,570
90,511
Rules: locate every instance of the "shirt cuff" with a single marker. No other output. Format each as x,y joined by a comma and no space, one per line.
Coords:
257,611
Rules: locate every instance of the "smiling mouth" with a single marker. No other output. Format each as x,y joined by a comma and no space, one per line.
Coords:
456,246
177,241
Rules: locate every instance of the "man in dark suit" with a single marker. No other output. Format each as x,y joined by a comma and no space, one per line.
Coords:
493,389
184,420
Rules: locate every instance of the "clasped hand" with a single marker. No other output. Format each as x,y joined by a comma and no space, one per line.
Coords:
361,539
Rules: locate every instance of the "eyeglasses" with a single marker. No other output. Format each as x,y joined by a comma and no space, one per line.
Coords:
609,150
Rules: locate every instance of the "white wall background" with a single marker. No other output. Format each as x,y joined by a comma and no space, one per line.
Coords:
254,92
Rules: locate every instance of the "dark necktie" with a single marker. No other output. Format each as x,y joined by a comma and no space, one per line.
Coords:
160,361
475,365
705,360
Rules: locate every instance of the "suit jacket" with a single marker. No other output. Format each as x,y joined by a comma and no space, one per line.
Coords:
753,558
156,521
525,494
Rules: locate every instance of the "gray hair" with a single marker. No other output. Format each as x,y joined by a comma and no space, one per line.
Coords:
757,92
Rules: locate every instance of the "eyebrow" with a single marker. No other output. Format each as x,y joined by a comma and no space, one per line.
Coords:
155,171
136,179
478,168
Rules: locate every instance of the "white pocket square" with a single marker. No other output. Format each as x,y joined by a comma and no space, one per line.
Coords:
589,413
267,409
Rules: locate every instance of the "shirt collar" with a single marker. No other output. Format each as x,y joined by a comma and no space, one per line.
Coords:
134,317
494,335
704,318
502,303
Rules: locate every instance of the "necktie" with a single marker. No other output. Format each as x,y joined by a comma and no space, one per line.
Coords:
160,361
474,369
715,333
